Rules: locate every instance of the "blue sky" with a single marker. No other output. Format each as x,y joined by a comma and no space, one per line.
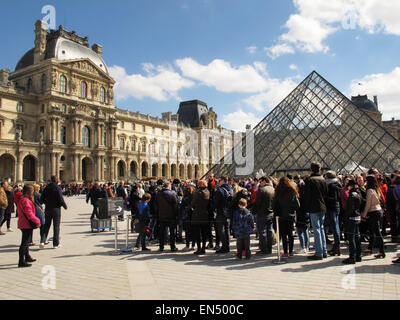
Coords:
240,57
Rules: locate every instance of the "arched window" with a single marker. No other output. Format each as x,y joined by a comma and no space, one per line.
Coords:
20,107
63,137
83,89
86,136
29,88
64,108
144,146
133,145
63,84
102,94
105,138
44,83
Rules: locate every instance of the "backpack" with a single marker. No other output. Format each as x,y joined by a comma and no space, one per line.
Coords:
396,194
227,206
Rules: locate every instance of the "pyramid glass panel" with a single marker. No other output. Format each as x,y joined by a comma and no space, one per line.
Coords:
316,122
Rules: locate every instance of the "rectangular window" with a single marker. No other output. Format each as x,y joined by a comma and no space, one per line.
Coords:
122,144
122,125
144,128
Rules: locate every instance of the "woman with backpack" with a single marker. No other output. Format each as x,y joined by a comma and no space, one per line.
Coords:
285,204
373,213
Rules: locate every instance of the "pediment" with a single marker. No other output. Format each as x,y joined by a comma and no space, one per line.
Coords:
87,66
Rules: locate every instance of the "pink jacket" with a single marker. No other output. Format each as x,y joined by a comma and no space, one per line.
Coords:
26,208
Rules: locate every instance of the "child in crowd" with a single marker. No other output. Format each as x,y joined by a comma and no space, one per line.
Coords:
142,221
243,226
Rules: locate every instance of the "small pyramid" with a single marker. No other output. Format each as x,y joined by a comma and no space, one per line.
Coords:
316,122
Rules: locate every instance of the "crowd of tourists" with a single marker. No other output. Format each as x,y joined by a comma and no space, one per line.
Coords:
207,214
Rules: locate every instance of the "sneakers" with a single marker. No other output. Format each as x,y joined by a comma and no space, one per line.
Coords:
10,230
284,255
314,257
349,261
57,247
300,251
24,265
41,246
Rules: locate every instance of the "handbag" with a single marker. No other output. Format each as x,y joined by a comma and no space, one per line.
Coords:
32,223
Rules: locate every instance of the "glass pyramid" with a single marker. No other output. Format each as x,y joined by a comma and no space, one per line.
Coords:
318,123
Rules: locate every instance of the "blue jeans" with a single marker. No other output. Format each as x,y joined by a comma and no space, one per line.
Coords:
332,218
265,233
317,222
353,236
304,237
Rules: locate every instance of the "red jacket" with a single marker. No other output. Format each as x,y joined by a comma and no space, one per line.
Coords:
26,208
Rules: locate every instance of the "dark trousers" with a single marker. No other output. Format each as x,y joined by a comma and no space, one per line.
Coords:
394,224
24,247
243,244
200,235
353,236
189,233
286,233
223,231
7,218
265,233
374,225
141,240
171,224
53,215
95,212
2,214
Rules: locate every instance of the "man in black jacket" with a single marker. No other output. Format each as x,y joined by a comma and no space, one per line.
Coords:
53,199
353,219
167,203
222,204
315,193
94,195
333,210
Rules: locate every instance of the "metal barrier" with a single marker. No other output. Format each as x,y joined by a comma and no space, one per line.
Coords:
127,248
278,241
116,252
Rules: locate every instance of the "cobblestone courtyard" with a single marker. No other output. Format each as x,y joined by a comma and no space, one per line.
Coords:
85,269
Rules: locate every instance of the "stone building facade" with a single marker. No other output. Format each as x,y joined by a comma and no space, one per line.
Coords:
57,117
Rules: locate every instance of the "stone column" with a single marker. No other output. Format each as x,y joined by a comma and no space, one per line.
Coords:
19,168
41,165
57,129
114,137
80,167
102,168
53,163
79,131
74,131
101,135
58,159
76,168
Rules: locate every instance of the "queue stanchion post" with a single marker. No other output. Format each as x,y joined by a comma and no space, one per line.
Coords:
116,252
127,249
278,241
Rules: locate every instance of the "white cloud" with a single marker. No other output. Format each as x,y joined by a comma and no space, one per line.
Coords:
224,77
293,67
316,20
239,119
278,50
160,83
251,49
385,86
277,91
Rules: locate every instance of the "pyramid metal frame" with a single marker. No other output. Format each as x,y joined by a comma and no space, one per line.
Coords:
316,122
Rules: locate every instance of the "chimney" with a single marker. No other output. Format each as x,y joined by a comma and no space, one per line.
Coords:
98,49
40,41
376,101
4,76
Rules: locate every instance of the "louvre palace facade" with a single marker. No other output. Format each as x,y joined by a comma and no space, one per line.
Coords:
57,117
